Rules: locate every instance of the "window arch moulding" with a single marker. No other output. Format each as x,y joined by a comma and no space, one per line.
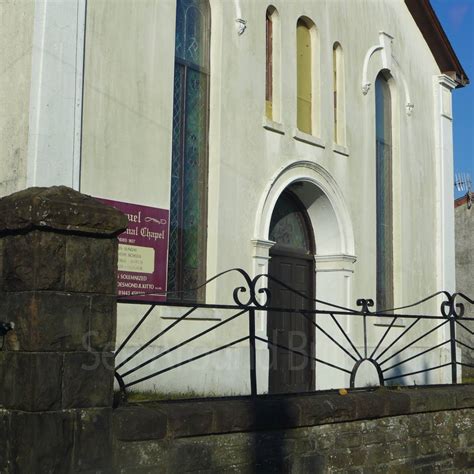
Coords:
320,177
383,53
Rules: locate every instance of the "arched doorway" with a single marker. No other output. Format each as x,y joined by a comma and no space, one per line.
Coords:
292,263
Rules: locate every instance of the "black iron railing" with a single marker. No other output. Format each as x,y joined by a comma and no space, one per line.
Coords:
401,338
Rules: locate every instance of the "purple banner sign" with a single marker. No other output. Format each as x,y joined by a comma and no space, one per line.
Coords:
143,252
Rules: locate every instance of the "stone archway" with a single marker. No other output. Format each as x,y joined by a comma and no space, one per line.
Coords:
328,214
331,226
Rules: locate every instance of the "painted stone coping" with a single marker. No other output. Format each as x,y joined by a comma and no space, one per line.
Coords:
59,208
177,419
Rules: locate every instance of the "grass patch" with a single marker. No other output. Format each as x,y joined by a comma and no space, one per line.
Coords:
153,396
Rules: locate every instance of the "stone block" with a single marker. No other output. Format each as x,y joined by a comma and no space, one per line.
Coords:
375,455
341,458
395,402
139,423
93,440
464,460
349,439
233,452
465,396
59,208
5,441
288,413
270,465
309,463
145,457
439,399
91,265
369,404
189,419
325,440
189,455
42,442
234,416
48,321
2,278
394,428
87,380
370,434
30,381
327,409
444,425
103,323
34,261
421,427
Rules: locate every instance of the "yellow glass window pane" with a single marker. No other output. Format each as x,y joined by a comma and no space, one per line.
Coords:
304,82
269,109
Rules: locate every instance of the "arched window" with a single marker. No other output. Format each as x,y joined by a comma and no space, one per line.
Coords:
339,99
289,227
272,65
383,142
304,76
188,199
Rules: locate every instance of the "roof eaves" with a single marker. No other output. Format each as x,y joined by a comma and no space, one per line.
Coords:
437,40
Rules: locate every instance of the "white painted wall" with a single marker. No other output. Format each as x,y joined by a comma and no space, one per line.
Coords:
127,126
56,93
128,100
16,41
251,160
42,45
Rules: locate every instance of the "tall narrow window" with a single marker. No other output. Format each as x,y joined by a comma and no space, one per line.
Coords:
339,99
269,66
272,65
334,85
188,199
383,114
304,76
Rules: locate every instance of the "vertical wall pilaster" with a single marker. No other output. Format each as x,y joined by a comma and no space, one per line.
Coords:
58,264
56,93
443,85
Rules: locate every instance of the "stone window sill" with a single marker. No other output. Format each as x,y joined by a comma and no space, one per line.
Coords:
307,138
340,149
273,126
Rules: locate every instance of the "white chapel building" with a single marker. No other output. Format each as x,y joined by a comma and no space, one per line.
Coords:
310,140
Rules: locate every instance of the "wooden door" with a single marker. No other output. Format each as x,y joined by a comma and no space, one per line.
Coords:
292,263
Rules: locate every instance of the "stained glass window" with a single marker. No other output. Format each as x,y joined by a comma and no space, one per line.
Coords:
383,133
188,200
288,227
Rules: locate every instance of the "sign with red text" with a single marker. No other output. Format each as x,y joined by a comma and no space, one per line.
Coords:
142,252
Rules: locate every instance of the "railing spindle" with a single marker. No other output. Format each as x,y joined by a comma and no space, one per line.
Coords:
454,365
253,358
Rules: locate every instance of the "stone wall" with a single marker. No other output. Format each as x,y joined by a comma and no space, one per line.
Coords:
384,430
58,264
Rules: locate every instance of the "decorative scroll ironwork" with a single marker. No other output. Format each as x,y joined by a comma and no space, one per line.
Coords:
389,355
